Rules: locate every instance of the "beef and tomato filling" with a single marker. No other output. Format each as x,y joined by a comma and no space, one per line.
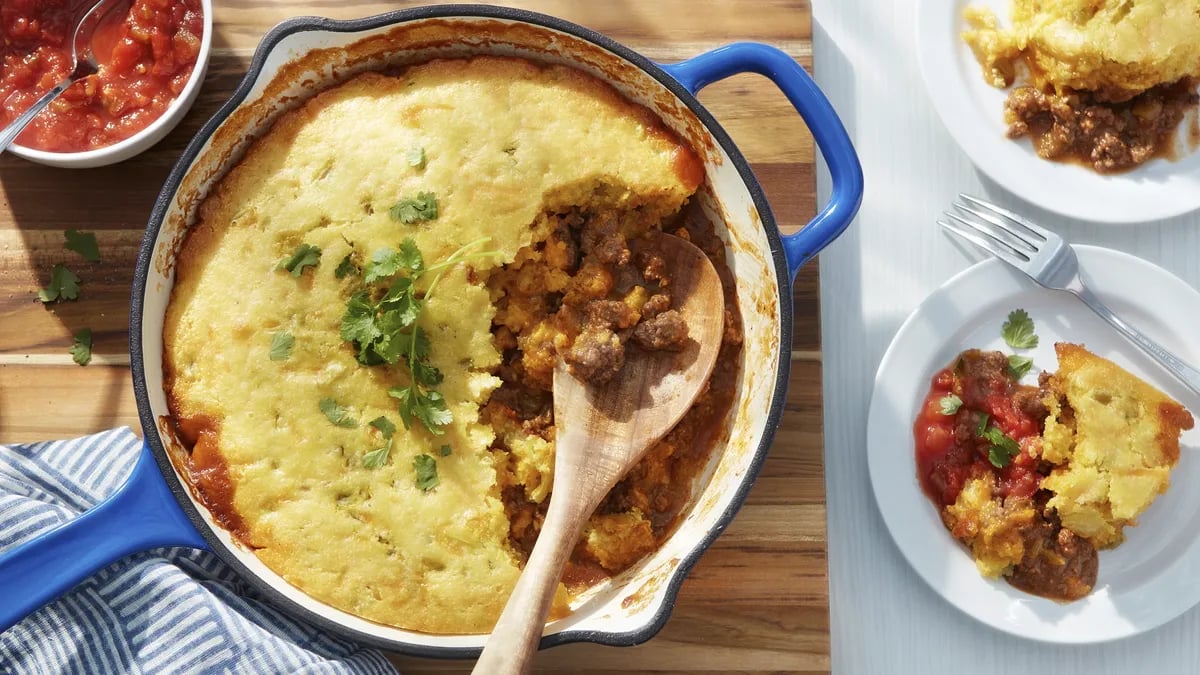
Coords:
592,290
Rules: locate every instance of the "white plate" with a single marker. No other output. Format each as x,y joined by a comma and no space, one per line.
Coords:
973,112
1149,579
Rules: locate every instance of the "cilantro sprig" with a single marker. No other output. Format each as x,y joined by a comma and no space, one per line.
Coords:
415,209
281,345
64,285
305,255
83,243
337,415
1003,447
81,347
949,404
1017,330
383,329
1019,366
426,468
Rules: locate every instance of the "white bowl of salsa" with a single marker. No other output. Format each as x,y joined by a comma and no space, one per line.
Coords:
152,60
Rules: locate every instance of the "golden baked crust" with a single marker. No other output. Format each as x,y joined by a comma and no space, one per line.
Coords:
504,140
1120,47
1115,438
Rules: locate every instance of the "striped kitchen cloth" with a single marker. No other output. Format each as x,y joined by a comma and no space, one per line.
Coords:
170,610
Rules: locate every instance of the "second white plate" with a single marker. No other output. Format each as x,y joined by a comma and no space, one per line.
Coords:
973,112
1149,579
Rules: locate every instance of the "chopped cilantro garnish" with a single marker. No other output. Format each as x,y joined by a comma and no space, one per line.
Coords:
83,243
981,426
305,255
416,158
346,267
426,468
949,404
384,425
377,457
386,331
337,414
81,348
281,345
1003,447
64,285
1017,330
1018,366
426,405
446,450
416,209
387,263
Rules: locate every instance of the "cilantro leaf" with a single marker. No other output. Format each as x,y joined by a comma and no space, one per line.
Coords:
446,450
415,209
426,374
281,345
64,285
415,157
1017,330
433,413
429,408
981,426
1003,447
384,263
410,256
83,243
338,415
384,425
377,457
358,323
950,404
346,267
305,255
426,468
1019,366
401,300
81,348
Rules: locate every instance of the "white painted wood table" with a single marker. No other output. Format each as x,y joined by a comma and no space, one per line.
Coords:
884,619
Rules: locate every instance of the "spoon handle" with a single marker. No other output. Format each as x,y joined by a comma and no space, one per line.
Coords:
9,133
510,648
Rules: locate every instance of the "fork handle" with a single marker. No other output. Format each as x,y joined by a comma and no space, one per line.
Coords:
1185,373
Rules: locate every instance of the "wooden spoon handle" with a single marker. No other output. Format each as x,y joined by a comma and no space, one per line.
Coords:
510,648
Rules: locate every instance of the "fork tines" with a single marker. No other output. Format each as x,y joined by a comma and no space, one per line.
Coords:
997,230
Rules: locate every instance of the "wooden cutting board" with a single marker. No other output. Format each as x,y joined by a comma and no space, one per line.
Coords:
756,602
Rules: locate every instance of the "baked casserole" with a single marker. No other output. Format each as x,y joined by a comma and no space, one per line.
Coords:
367,310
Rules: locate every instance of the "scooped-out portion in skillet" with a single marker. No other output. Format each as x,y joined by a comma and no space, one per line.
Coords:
367,310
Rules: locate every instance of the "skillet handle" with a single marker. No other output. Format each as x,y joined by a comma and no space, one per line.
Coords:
142,514
827,130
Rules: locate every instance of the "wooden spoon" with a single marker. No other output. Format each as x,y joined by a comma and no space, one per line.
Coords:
601,432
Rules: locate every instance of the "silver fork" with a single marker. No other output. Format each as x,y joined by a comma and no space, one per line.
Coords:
1051,262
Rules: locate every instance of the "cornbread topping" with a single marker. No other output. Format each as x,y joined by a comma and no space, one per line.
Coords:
357,339
1036,480
1108,80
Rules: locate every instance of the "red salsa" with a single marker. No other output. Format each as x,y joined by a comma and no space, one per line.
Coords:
146,58
952,448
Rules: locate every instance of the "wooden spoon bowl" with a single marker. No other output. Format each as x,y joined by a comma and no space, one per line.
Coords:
601,432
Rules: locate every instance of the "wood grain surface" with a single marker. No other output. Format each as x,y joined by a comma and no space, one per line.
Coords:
757,601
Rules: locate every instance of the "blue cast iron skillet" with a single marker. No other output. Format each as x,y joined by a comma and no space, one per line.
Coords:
152,509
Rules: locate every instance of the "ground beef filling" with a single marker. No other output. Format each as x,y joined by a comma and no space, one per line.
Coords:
1090,127
589,292
1054,562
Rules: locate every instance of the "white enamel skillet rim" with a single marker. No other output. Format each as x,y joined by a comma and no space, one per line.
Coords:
155,508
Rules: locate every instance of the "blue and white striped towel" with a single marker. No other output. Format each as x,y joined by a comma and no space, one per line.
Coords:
170,610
